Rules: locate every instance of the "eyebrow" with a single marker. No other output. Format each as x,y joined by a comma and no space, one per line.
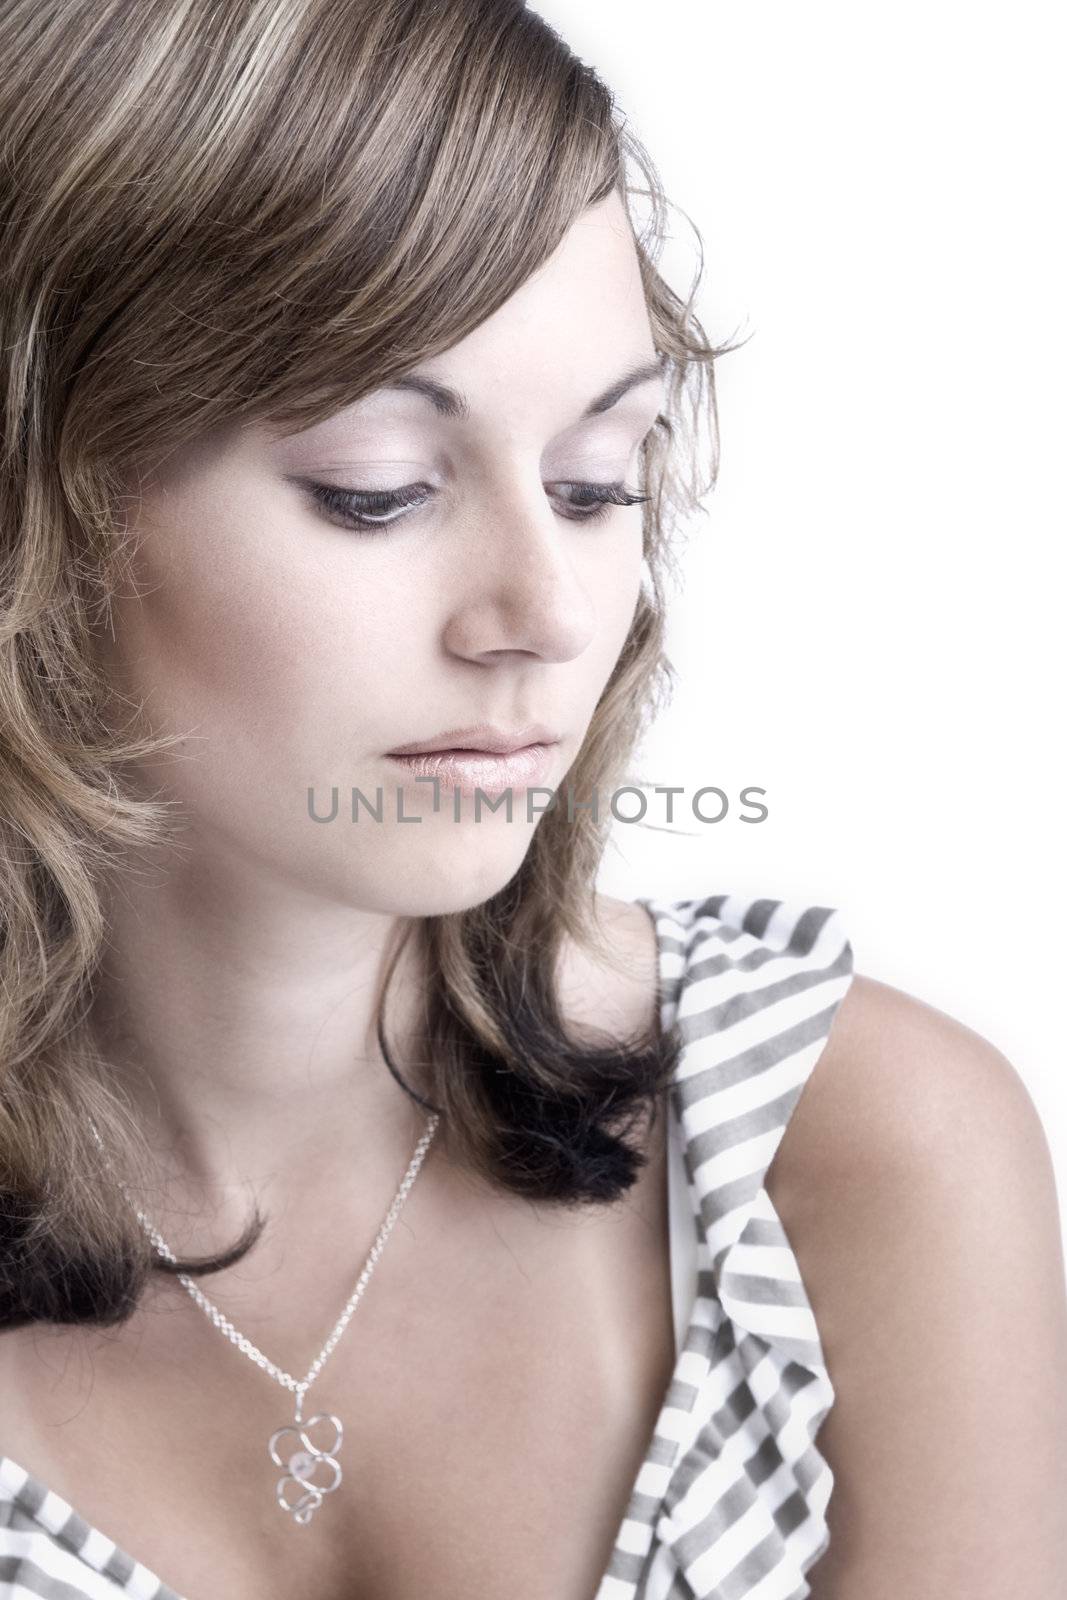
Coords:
448,402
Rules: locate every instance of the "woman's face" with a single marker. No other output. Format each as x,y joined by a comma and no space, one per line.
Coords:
297,648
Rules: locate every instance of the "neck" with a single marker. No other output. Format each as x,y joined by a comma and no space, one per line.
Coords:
239,1018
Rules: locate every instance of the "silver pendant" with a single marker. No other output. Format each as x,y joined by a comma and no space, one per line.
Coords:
305,1466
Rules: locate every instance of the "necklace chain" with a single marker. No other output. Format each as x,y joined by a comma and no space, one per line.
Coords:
298,1386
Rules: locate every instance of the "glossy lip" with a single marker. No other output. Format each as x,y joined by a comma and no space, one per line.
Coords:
490,771
482,737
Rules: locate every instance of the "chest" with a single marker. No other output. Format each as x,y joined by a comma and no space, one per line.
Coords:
496,1411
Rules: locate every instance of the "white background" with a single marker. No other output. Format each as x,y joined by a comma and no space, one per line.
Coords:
871,622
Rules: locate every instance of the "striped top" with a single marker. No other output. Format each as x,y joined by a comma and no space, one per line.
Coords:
730,1501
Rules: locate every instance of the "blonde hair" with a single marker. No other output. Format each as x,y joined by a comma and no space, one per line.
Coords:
261,210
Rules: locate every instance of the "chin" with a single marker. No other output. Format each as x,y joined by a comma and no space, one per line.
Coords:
449,872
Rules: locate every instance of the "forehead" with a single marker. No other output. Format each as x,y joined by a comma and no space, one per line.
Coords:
556,361
530,370
562,337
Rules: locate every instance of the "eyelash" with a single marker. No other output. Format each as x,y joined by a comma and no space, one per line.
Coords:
361,507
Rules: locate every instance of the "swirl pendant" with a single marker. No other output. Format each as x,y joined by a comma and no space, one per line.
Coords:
305,1465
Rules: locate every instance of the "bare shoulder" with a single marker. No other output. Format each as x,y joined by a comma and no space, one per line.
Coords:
915,1183
902,1083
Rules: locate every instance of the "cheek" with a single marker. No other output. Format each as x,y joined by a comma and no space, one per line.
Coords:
613,577
254,636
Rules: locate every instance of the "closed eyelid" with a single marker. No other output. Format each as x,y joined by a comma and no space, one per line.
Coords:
355,444
598,458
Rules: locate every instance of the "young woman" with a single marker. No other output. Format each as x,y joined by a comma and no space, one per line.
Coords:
385,1212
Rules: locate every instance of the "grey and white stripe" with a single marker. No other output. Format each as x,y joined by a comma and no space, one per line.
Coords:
730,1501
49,1552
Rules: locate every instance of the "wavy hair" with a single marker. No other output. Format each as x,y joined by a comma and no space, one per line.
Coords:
261,210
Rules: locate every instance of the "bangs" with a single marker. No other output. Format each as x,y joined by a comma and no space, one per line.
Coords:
378,180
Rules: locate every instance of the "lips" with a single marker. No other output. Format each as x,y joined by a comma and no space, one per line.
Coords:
493,772
483,738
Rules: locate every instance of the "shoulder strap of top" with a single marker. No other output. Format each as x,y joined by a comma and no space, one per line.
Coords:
752,987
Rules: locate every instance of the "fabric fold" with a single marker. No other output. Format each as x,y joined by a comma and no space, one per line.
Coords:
733,1493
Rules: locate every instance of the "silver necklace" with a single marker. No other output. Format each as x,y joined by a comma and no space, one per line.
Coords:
305,1459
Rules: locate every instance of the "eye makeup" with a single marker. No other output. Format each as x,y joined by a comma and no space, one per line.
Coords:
365,510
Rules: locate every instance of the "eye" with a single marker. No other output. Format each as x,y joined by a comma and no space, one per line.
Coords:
591,500
368,509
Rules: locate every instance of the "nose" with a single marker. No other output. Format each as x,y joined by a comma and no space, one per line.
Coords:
522,590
